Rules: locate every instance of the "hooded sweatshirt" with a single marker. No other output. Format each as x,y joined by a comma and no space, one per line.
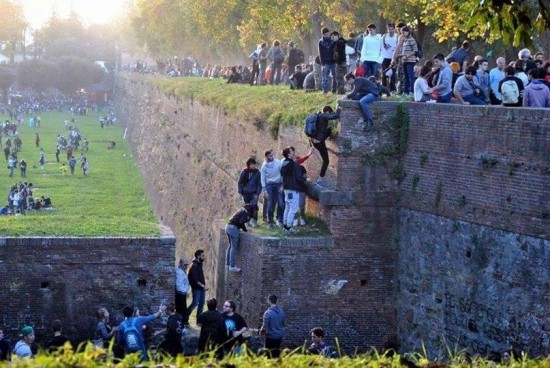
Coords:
22,349
536,94
292,175
274,320
271,172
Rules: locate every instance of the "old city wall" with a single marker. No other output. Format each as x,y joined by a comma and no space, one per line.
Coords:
470,181
43,279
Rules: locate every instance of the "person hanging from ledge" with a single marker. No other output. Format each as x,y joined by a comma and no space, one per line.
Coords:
237,221
319,135
365,92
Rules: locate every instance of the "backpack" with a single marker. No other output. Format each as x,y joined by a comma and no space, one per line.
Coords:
132,337
278,56
310,126
510,92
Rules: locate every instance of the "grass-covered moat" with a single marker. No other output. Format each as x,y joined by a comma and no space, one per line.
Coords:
110,201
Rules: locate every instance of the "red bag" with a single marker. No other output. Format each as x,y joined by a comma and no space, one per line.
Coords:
360,71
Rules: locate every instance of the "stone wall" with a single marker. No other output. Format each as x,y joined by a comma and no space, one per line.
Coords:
486,168
43,279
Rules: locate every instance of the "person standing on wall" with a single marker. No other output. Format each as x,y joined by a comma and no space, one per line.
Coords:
182,288
197,283
272,327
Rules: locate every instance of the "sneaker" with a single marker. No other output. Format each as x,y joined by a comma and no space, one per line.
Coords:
253,223
360,121
234,269
368,125
295,223
290,230
278,223
302,222
321,183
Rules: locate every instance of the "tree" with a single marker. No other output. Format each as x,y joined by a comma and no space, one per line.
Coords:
12,26
7,78
37,75
77,73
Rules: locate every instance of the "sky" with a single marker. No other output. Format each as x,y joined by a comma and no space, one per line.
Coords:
38,12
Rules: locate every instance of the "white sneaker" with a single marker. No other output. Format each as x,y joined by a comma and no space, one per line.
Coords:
234,269
295,223
253,223
302,222
278,223
321,182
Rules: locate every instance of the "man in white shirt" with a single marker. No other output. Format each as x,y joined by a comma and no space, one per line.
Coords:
371,52
182,288
389,44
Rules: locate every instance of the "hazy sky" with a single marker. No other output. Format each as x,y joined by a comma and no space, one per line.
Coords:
90,11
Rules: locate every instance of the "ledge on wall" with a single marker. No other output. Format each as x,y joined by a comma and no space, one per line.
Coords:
329,197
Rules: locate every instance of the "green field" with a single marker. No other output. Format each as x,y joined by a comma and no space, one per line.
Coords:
111,201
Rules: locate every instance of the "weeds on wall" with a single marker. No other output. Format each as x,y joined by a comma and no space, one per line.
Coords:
397,128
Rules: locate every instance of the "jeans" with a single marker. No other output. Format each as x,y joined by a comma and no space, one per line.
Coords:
292,203
275,199
371,68
251,199
445,98
341,70
322,148
302,204
328,69
273,346
181,307
198,301
391,84
408,68
474,100
232,233
364,101
276,68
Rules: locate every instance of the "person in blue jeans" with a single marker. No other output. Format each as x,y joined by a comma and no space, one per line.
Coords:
326,56
197,283
443,87
238,221
364,91
272,182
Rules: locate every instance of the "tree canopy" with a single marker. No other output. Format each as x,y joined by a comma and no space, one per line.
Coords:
165,27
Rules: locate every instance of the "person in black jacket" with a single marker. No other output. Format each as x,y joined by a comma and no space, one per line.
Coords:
237,221
212,329
323,132
339,52
292,177
197,283
250,186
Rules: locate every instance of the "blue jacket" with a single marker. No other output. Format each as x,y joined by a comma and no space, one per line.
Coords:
362,87
274,320
250,182
326,51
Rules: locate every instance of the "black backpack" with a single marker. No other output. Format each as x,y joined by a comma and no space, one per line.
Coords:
310,125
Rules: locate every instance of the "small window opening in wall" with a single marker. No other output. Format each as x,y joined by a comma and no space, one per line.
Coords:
142,282
45,285
468,253
363,282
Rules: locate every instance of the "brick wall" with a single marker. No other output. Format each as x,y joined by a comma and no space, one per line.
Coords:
486,167
43,279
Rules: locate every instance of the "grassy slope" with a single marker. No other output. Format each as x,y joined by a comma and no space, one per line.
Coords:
109,202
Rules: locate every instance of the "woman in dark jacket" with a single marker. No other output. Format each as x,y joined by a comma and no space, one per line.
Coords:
237,221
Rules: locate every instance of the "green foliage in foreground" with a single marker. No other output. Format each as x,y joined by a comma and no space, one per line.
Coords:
111,201
93,357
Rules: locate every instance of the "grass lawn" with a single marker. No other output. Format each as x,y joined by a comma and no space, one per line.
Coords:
111,201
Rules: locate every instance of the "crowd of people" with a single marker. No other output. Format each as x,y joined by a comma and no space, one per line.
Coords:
223,332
